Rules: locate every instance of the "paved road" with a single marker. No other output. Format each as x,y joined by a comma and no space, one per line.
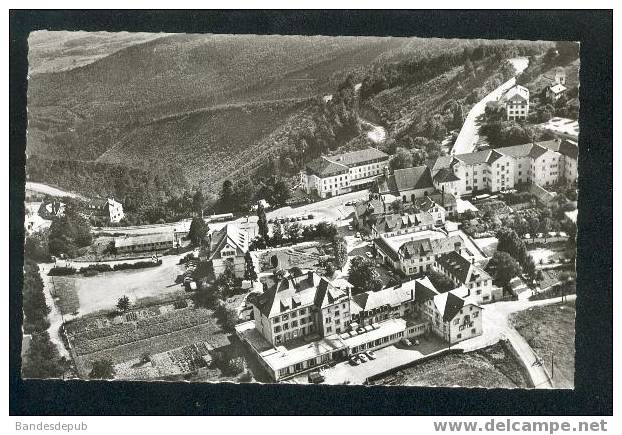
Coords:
496,326
468,136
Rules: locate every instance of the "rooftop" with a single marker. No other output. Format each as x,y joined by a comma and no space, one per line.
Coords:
383,329
144,239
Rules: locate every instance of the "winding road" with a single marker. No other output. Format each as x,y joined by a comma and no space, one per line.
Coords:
496,326
468,136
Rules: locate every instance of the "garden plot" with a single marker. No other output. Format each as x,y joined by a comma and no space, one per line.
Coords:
150,330
302,257
179,361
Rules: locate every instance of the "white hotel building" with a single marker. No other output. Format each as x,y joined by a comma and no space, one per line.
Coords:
543,163
329,176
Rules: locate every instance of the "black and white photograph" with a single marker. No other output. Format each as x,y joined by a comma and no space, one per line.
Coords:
306,210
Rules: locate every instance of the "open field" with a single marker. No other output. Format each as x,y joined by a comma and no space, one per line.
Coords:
550,331
491,367
101,292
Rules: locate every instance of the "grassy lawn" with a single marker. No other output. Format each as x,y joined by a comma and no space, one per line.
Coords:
550,331
491,367
86,295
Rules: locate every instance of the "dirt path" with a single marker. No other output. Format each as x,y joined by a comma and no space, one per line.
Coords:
55,317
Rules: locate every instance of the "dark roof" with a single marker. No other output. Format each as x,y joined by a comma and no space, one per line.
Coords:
323,167
384,247
537,151
424,290
452,306
445,175
569,149
392,222
444,200
418,177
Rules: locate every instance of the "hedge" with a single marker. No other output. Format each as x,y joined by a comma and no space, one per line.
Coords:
61,271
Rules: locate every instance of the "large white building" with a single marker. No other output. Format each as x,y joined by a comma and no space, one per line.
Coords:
229,245
307,321
329,176
543,163
516,101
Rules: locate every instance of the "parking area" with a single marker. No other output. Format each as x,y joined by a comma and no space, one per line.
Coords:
386,359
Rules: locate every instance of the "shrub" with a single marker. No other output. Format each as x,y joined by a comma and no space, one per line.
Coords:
61,271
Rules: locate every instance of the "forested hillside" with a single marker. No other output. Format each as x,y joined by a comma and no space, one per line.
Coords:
212,107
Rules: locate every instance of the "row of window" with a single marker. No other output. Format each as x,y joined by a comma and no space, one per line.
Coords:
292,315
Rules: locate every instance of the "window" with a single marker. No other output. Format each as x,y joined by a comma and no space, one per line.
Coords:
476,314
294,324
459,336
285,326
329,329
456,321
473,331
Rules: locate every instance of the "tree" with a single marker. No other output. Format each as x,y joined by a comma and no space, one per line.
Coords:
226,198
505,267
440,281
198,231
262,222
401,159
198,202
397,206
534,225
36,247
42,360
293,231
250,273
102,369
33,303
340,251
363,276
227,280
123,304
277,235
70,232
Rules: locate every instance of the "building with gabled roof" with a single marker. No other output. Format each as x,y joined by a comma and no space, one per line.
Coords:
516,101
415,253
300,304
229,245
402,223
465,273
303,305
408,184
329,176
544,163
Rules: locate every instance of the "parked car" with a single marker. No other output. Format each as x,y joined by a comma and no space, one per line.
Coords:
358,235
315,378
350,227
406,342
354,360
370,355
362,357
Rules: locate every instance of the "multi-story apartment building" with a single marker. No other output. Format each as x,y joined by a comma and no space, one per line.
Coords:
516,101
543,163
299,306
329,176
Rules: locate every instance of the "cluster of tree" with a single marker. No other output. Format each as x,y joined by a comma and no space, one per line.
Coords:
36,247
421,69
508,133
198,231
505,268
241,195
363,275
69,233
42,359
326,125
290,232
511,243
156,193
414,151
440,281
563,53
